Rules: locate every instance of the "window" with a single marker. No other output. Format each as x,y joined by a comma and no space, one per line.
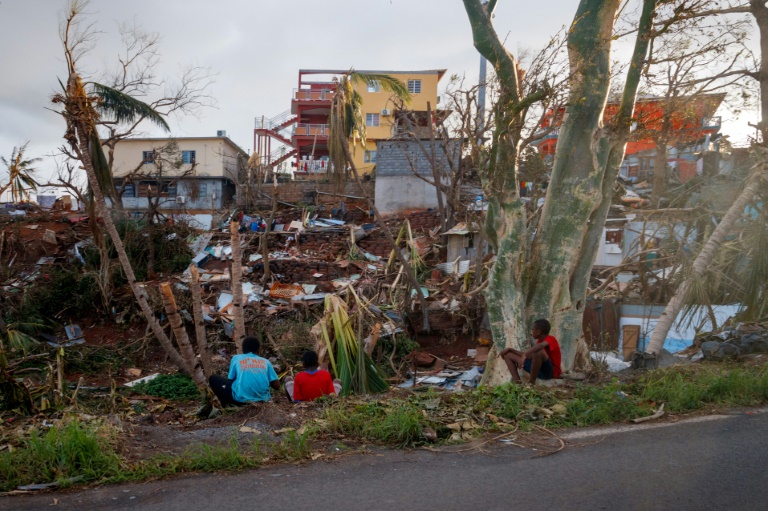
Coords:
148,157
414,86
374,86
371,119
203,190
370,157
169,189
188,157
128,190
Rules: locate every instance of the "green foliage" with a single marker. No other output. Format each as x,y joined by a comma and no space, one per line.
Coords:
62,289
693,388
170,386
64,454
604,405
94,359
293,446
397,422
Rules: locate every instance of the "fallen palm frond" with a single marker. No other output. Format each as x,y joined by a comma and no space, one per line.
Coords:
355,369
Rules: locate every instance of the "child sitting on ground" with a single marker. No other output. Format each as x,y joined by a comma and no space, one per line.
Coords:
540,361
311,383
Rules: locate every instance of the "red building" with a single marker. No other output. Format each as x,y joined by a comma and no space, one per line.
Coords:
691,120
303,128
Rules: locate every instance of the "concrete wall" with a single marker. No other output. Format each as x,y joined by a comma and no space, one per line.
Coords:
679,336
311,192
400,193
397,186
206,189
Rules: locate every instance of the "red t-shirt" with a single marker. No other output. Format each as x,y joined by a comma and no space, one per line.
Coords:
553,352
310,386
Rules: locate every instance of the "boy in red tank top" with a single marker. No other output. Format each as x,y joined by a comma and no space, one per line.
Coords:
540,361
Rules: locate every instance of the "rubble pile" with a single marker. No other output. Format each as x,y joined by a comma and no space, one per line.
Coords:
734,342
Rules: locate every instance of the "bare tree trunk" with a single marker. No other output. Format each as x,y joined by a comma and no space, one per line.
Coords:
265,235
238,333
704,259
194,367
197,313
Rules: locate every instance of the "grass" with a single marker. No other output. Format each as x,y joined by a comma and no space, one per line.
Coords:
694,387
395,422
74,452
64,454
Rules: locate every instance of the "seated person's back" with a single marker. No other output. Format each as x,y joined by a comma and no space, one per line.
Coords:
313,382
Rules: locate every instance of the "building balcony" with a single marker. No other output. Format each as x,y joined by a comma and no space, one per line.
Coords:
312,94
312,130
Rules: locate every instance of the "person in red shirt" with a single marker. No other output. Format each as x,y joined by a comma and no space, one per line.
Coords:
540,361
311,383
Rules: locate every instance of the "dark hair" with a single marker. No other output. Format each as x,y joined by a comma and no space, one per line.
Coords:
543,326
309,359
251,345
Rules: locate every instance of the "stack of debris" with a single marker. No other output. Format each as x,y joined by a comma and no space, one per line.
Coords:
730,343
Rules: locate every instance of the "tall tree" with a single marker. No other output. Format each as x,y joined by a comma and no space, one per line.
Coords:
20,173
81,107
548,276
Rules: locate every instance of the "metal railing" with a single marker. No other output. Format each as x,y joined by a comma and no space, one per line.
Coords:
321,130
273,122
312,94
313,166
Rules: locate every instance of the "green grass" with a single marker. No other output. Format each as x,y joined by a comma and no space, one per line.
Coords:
170,386
395,422
61,454
74,452
694,387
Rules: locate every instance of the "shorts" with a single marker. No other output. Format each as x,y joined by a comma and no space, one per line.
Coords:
547,371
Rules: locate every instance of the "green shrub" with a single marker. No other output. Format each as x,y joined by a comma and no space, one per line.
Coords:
170,386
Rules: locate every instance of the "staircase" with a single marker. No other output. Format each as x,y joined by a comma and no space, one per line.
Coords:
273,128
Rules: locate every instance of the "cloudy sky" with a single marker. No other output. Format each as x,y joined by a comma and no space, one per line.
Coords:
255,48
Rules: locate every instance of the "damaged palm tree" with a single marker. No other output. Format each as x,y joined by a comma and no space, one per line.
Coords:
351,364
82,105
346,123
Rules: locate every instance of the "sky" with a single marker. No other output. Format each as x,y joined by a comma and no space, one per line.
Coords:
254,47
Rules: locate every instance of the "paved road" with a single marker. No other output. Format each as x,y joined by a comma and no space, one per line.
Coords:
712,463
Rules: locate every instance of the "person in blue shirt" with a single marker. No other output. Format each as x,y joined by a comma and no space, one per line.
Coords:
250,377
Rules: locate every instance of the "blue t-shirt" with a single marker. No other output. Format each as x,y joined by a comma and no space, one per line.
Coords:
252,375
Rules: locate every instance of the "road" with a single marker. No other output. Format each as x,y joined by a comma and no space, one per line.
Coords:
715,462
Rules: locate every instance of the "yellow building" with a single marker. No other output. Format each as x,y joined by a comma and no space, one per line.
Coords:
307,118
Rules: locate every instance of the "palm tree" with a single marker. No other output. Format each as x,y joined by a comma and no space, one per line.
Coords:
346,121
754,183
20,173
83,104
